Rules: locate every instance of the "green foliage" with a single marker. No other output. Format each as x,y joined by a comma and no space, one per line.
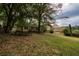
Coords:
70,28
12,13
66,32
75,31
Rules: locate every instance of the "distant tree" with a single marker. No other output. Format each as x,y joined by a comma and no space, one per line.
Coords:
70,29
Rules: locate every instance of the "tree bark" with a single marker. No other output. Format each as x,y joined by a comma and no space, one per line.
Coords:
39,23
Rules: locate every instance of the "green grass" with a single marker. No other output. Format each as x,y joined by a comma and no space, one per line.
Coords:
40,44
66,46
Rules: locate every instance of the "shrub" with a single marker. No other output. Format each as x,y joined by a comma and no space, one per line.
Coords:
75,32
51,31
66,32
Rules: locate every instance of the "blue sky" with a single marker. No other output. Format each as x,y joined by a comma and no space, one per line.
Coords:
70,10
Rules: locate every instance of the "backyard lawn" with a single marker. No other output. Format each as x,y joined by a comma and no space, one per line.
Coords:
39,44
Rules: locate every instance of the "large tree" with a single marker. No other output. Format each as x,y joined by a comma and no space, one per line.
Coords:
13,13
44,11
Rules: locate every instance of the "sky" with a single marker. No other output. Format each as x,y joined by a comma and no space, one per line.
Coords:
70,10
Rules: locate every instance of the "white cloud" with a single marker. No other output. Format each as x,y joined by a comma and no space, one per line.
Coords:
71,10
68,10
73,21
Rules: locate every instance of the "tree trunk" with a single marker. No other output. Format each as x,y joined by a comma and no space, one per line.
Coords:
7,27
9,9
39,23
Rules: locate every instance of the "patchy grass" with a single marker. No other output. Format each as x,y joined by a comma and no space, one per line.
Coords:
38,44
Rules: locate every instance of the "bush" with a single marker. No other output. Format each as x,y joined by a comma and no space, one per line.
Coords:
66,32
51,31
75,32
43,29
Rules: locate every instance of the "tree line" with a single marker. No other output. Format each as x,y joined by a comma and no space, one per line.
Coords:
27,15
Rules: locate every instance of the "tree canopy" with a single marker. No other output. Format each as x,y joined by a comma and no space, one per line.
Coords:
23,15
